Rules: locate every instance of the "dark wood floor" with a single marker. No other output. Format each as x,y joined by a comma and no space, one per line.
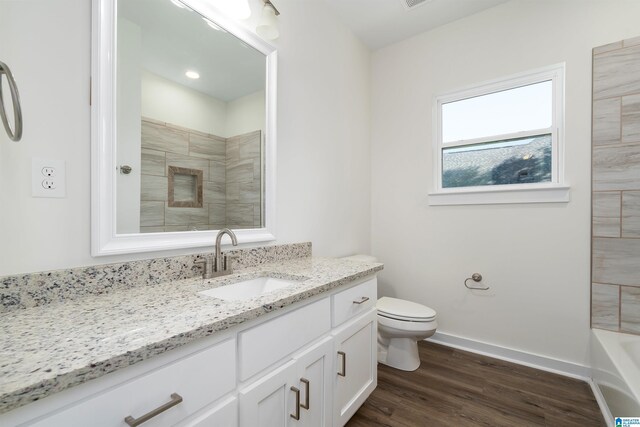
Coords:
458,388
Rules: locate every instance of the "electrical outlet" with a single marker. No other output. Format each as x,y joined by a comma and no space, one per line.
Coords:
48,178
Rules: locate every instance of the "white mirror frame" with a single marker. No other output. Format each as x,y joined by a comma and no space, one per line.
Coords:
104,239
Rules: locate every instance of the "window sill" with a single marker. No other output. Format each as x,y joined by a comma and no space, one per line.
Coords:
494,196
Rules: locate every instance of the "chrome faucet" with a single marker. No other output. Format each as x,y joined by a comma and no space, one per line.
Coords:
220,265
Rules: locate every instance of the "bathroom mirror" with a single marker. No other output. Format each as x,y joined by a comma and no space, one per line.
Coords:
183,127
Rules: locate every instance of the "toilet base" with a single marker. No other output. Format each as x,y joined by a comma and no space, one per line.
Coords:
401,353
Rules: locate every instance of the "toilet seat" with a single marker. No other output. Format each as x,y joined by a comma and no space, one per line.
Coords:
407,311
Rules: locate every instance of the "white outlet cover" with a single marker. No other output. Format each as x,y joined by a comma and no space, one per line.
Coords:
57,179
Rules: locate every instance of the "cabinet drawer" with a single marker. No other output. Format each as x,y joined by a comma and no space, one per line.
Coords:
199,379
353,301
265,344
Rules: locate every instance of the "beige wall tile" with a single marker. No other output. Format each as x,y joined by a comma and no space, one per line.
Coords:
212,148
616,73
605,306
606,214
606,121
162,138
153,187
153,162
616,167
240,215
151,214
631,42
630,310
616,261
187,216
631,118
214,192
217,172
631,213
240,172
159,229
607,47
217,213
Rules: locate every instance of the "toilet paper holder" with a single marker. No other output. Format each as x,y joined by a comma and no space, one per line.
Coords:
476,277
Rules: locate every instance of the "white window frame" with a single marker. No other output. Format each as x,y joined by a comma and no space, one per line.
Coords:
555,191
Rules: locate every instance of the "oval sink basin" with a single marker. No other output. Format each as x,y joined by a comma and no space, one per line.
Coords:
248,288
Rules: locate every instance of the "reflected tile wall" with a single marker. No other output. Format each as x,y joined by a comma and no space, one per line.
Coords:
232,178
615,288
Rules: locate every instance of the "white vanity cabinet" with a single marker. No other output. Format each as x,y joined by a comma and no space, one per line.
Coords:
311,364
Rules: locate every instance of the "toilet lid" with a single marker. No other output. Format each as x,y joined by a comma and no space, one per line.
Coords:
395,308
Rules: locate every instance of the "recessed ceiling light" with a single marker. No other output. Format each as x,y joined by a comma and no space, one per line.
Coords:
178,3
192,74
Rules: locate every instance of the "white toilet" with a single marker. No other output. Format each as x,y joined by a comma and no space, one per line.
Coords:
401,324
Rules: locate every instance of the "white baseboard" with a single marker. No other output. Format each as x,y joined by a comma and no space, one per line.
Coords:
544,363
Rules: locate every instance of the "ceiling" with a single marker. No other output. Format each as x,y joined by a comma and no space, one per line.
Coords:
379,23
175,40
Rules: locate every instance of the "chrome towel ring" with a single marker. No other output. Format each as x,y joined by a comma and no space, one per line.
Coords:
15,134
476,277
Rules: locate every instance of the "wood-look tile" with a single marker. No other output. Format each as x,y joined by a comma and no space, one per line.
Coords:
214,192
605,306
159,229
189,162
607,47
630,310
454,387
163,138
217,213
153,188
615,261
241,171
186,216
240,214
185,188
606,121
631,42
606,214
616,167
151,214
153,162
217,171
631,213
631,118
616,73
176,228
211,147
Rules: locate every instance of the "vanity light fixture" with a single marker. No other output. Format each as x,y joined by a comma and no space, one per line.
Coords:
192,74
268,26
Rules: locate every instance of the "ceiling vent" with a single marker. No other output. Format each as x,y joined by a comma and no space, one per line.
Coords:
412,4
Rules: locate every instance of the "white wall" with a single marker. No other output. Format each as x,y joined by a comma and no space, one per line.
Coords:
534,257
169,102
246,114
323,134
129,126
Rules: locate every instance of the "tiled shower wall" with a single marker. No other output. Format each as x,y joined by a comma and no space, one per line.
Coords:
231,195
615,288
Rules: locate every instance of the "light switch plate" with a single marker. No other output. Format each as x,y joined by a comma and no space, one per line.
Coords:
48,178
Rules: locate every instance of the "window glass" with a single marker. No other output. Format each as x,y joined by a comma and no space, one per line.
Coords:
519,109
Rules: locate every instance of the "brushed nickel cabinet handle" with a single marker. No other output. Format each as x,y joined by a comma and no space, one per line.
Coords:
133,422
344,364
363,299
305,405
296,415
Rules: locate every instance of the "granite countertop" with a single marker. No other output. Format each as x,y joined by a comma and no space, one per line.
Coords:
49,348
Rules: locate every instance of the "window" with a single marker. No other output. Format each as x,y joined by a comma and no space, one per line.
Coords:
500,142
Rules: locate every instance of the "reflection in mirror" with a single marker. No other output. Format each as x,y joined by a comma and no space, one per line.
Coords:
190,122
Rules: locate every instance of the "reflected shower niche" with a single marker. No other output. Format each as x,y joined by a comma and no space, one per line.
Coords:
191,180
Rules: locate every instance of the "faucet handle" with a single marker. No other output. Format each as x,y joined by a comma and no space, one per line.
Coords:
205,267
228,260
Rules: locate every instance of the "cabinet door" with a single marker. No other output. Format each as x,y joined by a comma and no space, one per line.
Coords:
270,401
356,366
315,382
